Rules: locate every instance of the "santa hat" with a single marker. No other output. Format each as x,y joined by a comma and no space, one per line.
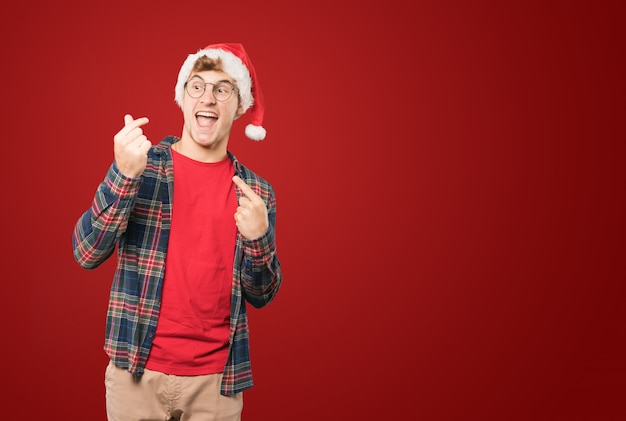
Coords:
236,64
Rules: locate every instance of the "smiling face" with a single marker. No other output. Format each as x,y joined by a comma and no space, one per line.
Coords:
207,121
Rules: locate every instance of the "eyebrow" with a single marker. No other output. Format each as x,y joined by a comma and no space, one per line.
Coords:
223,80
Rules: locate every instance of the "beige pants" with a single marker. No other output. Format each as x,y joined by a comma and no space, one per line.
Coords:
160,397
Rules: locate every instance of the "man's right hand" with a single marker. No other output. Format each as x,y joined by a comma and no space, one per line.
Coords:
131,147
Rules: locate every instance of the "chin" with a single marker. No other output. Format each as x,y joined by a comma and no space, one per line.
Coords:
206,142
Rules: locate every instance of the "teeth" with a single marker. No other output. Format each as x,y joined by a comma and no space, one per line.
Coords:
206,114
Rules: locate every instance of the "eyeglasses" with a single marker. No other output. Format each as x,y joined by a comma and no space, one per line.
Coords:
222,90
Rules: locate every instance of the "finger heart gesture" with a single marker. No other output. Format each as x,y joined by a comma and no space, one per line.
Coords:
131,147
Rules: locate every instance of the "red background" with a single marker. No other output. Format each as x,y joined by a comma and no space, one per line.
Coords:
450,185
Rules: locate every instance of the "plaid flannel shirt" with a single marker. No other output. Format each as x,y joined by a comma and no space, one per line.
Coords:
135,215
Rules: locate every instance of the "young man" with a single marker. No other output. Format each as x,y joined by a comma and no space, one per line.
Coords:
194,233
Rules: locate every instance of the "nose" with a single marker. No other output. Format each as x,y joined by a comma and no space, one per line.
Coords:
207,96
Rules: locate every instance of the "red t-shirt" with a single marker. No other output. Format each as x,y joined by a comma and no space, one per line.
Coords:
194,324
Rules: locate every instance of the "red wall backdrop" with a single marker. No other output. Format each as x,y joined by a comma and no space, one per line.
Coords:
450,185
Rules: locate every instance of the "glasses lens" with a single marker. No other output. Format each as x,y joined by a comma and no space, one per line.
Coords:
195,88
222,91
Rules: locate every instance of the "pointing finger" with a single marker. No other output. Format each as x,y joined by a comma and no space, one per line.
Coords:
244,187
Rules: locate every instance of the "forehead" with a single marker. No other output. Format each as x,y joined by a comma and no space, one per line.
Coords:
212,76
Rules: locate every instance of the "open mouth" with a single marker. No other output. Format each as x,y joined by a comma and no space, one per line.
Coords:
206,118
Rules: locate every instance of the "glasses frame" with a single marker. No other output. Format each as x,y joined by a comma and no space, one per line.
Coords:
198,78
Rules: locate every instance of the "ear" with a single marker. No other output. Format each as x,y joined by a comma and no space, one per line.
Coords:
239,111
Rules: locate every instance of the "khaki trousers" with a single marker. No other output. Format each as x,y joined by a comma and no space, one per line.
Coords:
161,397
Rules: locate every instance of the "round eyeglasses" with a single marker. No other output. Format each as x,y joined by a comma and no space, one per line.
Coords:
222,90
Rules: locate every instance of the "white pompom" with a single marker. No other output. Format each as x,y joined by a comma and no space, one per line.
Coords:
255,132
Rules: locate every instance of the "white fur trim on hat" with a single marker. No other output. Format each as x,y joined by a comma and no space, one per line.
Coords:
231,64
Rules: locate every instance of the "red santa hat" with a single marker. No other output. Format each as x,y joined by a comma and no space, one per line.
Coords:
236,63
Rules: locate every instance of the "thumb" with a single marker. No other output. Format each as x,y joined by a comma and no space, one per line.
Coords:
128,118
